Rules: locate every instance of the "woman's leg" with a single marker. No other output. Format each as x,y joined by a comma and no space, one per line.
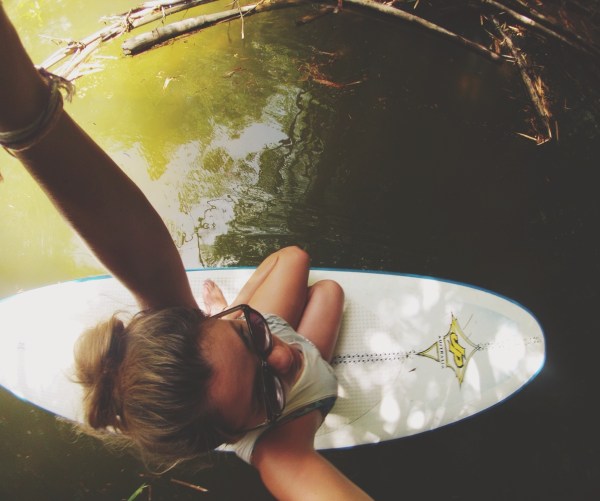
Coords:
278,286
322,316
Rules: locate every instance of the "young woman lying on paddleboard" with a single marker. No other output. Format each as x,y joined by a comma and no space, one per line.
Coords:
176,382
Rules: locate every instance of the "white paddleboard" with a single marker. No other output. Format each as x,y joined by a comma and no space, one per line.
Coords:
414,354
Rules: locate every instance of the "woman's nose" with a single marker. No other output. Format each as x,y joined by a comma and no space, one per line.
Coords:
280,359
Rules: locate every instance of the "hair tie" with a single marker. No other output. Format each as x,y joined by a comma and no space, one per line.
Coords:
27,137
116,350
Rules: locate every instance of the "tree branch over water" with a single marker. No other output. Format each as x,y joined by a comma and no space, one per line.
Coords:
412,18
574,31
145,41
547,27
74,54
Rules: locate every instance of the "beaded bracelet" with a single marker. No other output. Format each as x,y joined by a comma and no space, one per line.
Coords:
27,137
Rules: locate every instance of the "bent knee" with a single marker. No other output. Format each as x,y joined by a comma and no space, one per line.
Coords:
294,255
330,289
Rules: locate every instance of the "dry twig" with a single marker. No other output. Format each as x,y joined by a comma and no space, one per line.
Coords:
579,43
534,87
411,18
187,484
77,52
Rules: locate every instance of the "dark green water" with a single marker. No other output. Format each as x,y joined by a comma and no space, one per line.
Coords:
416,169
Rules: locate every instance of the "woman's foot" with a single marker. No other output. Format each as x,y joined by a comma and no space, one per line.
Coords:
214,300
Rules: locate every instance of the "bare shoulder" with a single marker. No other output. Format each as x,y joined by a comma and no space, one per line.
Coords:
293,471
289,439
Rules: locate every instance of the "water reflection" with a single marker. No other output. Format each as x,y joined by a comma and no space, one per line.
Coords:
241,151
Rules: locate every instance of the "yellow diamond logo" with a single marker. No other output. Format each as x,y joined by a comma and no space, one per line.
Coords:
452,351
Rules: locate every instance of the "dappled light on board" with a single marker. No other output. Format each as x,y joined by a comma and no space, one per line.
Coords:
427,358
416,419
395,378
390,413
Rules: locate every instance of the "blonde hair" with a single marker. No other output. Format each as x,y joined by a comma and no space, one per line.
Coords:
145,385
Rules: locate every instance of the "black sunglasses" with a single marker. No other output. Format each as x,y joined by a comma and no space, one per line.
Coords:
260,340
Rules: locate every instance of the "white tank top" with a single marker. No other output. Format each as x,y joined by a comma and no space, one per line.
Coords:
315,388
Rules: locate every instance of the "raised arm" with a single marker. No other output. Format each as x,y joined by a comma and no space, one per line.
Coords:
293,471
102,204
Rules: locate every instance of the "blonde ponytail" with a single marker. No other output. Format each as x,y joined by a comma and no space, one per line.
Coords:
145,384
99,352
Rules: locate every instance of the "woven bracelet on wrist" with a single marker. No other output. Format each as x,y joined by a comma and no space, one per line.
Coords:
27,137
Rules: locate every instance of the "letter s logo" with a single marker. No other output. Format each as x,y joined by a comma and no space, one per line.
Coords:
457,350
